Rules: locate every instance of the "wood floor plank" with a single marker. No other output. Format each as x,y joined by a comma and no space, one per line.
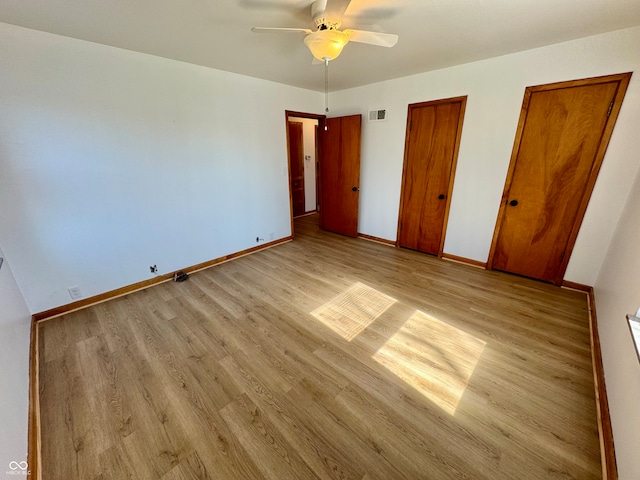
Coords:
293,352
411,405
274,455
191,469
65,401
421,454
364,451
327,357
322,456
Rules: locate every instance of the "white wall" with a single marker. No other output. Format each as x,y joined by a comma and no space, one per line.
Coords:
495,89
15,323
309,141
617,291
112,161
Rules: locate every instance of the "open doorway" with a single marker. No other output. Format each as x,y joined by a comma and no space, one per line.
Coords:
336,148
303,149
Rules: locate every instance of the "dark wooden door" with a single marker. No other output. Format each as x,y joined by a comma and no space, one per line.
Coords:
431,147
296,159
340,177
563,133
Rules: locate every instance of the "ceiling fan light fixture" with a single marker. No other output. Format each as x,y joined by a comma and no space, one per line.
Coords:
326,44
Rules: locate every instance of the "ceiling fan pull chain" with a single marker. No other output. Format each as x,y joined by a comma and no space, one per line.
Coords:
326,85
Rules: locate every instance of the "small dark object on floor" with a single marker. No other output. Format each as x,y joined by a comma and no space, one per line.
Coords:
180,276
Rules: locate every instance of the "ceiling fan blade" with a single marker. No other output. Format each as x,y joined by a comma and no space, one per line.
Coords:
335,9
276,30
372,38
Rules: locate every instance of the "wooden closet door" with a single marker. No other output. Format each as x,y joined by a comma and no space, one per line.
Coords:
563,133
433,136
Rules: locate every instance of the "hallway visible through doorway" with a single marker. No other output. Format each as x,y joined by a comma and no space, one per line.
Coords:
303,161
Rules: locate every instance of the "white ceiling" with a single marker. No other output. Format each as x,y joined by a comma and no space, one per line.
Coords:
216,33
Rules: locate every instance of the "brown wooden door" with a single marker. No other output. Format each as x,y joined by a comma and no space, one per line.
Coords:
563,133
431,147
340,177
296,159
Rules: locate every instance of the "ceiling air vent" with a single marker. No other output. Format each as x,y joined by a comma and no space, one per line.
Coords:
378,115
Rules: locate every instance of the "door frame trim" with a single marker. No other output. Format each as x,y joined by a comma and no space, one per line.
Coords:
623,82
321,120
454,162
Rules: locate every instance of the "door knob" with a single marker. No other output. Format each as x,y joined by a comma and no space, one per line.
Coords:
441,196
513,203
354,189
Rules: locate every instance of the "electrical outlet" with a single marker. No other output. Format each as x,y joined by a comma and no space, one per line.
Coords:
258,239
153,268
74,292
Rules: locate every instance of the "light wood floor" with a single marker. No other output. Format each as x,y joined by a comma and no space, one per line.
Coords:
327,357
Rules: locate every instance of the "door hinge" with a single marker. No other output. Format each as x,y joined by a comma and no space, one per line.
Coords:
610,107
561,257
410,124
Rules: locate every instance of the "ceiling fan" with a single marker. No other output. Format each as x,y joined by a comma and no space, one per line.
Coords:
327,41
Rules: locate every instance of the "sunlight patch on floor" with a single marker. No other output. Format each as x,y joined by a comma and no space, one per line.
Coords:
353,310
433,357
